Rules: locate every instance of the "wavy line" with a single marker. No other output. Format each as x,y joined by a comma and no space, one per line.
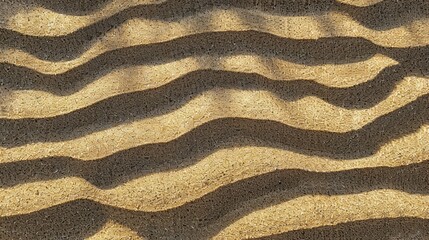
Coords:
138,105
383,228
358,96
203,218
386,228
412,147
41,195
192,87
74,79
360,3
66,83
310,212
69,6
152,31
147,77
310,52
76,9
113,42
264,105
196,143
71,82
210,42
112,228
207,217
60,68
412,150
381,16
167,32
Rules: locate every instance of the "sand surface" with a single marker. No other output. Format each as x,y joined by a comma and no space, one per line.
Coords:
214,119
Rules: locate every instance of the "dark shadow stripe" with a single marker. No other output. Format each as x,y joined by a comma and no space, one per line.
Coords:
181,8
138,105
360,96
335,50
381,16
211,213
74,220
371,229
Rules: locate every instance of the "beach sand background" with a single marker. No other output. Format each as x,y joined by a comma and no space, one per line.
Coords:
197,119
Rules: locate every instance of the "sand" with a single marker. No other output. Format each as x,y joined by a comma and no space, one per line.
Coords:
214,119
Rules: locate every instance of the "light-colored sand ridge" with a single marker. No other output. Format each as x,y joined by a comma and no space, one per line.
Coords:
161,191
49,23
313,113
171,125
139,78
224,20
115,231
172,173
314,211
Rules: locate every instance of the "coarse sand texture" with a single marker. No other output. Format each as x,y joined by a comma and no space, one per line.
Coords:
214,119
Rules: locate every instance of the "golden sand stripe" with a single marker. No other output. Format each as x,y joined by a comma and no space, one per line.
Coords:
140,78
38,21
307,113
115,231
315,211
275,68
162,190
360,3
150,31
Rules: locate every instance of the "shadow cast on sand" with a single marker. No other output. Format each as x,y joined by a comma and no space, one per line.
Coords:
381,16
212,212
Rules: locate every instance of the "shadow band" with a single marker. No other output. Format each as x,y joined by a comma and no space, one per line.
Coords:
206,216
381,16
371,229
134,106
335,50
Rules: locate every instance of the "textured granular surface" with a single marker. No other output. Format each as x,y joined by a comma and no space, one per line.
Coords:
200,119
